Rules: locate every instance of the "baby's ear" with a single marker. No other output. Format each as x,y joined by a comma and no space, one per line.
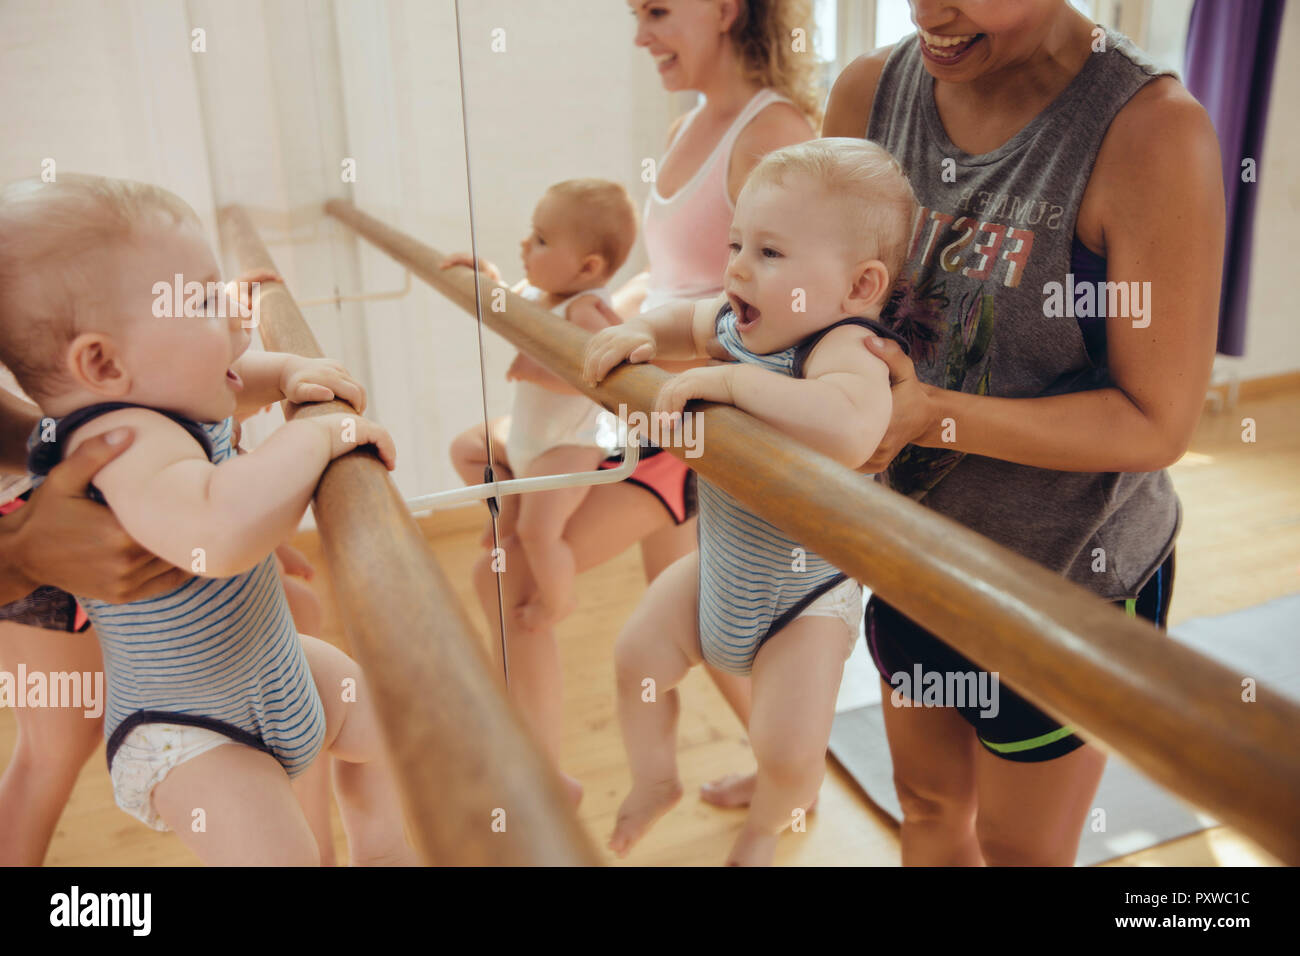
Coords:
95,363
870,287
594,265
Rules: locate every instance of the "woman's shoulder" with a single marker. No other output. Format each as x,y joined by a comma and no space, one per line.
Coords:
777,124
849,107
1162,127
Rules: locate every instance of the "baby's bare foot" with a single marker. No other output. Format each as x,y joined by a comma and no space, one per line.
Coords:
753,848
640,809
734,791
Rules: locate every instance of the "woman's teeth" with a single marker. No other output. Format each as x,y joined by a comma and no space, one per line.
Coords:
944,47
935,39
665,59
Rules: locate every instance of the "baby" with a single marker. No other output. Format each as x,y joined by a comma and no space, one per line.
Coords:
817,240
215,704
583,230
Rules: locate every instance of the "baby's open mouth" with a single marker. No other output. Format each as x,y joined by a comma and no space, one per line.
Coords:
746,315
233,379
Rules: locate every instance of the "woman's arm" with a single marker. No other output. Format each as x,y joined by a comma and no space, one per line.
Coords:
17,419
62,538
848,110
776,126
627,300
1161,209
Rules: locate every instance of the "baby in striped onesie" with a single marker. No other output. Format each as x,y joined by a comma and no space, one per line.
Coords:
214,702
819,235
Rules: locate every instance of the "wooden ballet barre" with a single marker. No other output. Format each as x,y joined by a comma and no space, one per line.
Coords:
1173,713
476,788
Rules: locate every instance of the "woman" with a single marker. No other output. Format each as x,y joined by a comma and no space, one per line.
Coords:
759,95
1039,146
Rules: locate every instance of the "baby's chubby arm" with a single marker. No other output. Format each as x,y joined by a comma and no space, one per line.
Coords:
172,500
841,406
271,376
680,329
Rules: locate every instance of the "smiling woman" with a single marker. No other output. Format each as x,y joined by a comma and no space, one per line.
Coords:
1063,420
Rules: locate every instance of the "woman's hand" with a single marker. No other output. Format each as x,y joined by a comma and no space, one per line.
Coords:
481,265
62,538
304,380
914,415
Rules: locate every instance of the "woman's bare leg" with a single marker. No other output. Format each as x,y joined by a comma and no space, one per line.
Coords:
934,754
52,745
1033,814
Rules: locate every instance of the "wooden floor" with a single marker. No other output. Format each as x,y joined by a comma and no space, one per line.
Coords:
1239,546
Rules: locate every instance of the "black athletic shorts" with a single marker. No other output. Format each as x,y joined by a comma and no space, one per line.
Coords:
1018,730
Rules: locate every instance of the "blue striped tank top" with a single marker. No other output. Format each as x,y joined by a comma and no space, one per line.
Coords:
218,653
748,588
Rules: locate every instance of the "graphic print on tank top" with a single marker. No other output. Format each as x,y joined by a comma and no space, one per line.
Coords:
990,236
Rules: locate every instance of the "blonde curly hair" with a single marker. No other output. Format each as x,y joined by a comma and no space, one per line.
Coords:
763,37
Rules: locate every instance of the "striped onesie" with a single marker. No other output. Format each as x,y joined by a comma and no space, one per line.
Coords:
747,588
216,653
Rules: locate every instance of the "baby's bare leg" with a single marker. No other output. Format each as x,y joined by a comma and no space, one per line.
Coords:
659,643
469,453
363,783
251,815
796,677
542,519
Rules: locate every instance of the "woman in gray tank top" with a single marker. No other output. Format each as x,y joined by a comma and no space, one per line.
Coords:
1061,300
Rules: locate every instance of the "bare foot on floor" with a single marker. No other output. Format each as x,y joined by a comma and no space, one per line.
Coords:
734,791
640,809
753,849
729,792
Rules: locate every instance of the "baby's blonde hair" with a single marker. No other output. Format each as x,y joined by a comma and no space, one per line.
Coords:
48,231
864,179
604,215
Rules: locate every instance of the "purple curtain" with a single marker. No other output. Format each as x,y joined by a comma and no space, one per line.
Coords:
1229,68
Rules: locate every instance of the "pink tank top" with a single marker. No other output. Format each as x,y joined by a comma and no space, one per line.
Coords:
686,235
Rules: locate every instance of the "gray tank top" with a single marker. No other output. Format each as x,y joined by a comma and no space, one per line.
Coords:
991,235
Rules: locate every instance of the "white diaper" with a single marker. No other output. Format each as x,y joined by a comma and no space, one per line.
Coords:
147,755
843,601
